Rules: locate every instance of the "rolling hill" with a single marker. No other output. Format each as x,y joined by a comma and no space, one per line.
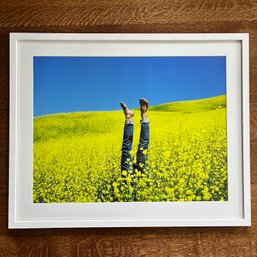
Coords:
206,104
76,156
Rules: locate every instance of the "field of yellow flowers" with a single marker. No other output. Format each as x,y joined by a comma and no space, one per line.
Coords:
77,155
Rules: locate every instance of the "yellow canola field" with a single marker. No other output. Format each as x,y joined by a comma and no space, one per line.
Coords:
77,157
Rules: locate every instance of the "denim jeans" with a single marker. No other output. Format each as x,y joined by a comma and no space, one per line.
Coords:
126,158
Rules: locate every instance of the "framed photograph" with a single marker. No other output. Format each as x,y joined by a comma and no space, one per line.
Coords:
129,130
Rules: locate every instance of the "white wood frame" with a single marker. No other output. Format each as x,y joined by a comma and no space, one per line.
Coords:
15,122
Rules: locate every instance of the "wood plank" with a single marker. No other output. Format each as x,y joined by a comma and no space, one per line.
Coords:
138,16
88,13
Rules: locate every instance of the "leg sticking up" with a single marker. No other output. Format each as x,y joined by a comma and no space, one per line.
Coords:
144,137
126,157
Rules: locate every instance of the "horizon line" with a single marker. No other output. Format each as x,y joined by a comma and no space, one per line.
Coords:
188,100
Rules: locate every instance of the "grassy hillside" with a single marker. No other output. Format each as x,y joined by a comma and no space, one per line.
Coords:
207,104
77,155
81,123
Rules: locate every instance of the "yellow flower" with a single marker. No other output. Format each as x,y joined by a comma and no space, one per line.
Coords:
145,152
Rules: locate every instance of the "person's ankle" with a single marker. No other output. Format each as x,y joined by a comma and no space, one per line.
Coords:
129,121
144,116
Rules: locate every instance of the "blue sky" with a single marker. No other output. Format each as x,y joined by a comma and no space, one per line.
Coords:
72,84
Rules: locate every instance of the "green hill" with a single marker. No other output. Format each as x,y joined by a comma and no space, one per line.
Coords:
206,104
80,123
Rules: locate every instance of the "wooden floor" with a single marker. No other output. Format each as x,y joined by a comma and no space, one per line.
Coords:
126,16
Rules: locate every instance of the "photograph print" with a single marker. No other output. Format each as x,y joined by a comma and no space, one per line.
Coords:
129,129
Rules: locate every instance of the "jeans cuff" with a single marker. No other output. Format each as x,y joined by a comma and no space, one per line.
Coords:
129,122
144,121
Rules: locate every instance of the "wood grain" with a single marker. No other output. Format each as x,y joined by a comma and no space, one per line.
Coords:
138,16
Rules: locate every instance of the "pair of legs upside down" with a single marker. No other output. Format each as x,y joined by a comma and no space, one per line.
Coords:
127,160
